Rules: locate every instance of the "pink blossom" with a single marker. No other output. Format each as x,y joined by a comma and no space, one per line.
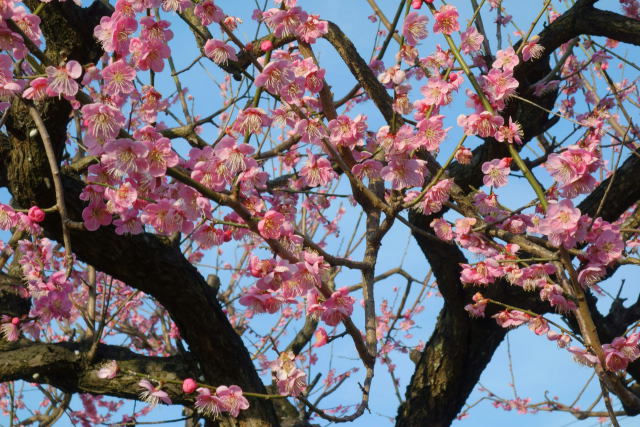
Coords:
156,30
621,352
95,215
208,12
275,76
481,273
153,395
271,224
125,156
338,307
312,29
404,173
9,328
512,132
149,54
262,301
539,325
290,380
118,78
471,40
232,399
122,198
437,92
484,124
431,132
496,172
392,76
436,196
167,217
511,318
368,168
561,223
442,229
583,356
479,304
506,59
219,52
321,337
8,217
499,86
108,371
114,31
346,131
531,49
414,28
251,120
208,404
554,294
464,156
284,22
37,90
102,121
317,171
446,20
266,45
62,79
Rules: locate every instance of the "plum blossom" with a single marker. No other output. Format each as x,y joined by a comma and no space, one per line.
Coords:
531,49
232,399
10,328
209,404
471,40
317,171
118,78
484,124
621,352
479,304
338,307
404,173
290,380
414,28
219,52
312,29
511,318
208,12
275,76
108,370
506,59
271,225
62,80
510,133
561,223
321,337
446,20
496,172
153,395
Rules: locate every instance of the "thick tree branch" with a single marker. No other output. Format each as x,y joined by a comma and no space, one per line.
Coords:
64,366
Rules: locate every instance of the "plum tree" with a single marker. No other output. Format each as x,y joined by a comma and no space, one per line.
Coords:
164,245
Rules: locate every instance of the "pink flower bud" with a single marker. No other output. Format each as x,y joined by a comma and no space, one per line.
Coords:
266,45
15,321
189,385
35,214
464,155
416,4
